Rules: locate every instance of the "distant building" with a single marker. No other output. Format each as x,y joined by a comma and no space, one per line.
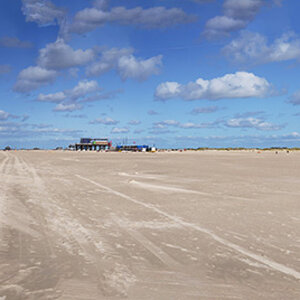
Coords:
92,144
133,148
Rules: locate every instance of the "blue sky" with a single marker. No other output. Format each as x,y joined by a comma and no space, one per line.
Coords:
173,73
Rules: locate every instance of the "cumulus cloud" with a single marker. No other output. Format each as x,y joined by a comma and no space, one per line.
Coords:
59,55
109,60
105,121
70,100
249,114
255,140
32,78
164,124
5,69
131,67
204,110
101,96
24,118
89,19
42,12
10,130
63,107
79,116
53,58
13,42
119,130
250,122
100,4
134,122
82,89
237,85
236,15
254,47
126,64
55,97
295,98
152,112
4,115
73,99
168,90
187,125
191,125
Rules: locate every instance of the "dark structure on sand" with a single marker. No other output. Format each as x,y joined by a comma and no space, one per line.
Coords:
95,144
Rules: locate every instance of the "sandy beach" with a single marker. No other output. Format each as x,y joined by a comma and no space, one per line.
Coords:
170,225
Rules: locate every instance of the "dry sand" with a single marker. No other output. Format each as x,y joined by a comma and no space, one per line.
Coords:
190,225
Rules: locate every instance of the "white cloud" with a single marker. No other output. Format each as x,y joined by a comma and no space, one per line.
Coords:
222,25
258,124
168,90
13,42
162,125
126,65
131,67
68,100
4,115
254,47
155,17
73,99
32,78
109,60
134,122
88,19
249,122
191,125
295,98
152,112
55,98
83,88
100,4
105,121
237,15
42,12
62,107
59,55
242,9
204,110
237,85
285,48
22,130
120,130
54,57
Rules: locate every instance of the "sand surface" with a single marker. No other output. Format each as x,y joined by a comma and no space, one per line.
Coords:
190,225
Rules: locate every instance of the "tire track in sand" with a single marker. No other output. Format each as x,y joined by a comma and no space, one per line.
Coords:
151,247
264,260
60,224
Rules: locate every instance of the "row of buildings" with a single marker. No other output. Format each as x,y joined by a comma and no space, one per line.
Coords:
97,144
